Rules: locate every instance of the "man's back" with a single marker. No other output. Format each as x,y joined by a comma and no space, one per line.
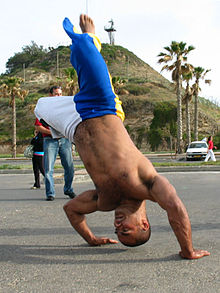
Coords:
111,158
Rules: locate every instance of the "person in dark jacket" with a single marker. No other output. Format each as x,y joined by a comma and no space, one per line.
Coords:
37,160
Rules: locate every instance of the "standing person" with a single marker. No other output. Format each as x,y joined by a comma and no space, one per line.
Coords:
123,177
210,153
37,160
53,147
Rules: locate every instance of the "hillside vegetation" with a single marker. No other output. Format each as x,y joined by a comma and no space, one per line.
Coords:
149,100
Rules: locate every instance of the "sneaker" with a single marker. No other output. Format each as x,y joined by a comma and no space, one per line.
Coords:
71,194
34,187
50,198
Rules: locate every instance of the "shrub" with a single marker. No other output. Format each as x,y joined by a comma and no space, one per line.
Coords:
163,125
154,137
137,90
216,139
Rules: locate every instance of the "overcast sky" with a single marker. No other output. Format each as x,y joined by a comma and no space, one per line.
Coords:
143,27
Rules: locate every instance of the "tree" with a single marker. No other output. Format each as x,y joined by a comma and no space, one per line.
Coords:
199,73
10,88
177,52
187,98
163,125
29,54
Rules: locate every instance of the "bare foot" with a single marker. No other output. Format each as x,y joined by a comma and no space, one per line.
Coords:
86,24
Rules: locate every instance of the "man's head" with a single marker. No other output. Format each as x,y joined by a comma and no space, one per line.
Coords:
132,228
55,91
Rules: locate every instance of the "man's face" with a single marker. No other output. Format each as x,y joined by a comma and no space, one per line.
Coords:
57,92
126,227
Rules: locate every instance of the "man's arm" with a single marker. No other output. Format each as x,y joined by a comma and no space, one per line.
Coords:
42,129
75,209
165,195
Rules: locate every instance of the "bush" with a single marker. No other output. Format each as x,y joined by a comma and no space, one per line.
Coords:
141,132
154,137
137,80
163,125
216,139
137,90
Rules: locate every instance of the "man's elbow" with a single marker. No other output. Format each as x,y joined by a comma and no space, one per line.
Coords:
67,209
71,214
176,210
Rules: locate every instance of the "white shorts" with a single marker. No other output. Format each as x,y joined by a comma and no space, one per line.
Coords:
60,114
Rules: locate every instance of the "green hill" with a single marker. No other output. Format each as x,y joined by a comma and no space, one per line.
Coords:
143,89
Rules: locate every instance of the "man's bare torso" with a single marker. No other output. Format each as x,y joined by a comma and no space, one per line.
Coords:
117,168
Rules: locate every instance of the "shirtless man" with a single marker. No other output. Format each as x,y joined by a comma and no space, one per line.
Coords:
124,179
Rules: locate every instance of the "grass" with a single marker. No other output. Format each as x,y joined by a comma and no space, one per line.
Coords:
6,156
28,167
163,164
75,167
172,164
9,166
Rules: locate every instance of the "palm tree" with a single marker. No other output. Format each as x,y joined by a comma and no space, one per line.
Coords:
10,88
199,73
187,98
177,52
69,83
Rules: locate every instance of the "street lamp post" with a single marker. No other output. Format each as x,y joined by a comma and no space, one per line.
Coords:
87,8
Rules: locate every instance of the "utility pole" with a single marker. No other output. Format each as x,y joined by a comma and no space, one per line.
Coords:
127,67
87,8
58,69
24,71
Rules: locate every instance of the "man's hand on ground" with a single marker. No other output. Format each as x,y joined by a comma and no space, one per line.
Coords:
195,254
102,240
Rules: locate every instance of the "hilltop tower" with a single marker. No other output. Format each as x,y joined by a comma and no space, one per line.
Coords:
110,30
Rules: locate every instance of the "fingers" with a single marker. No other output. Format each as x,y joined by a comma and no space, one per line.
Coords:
108,240
102,241
195,254
199,254
203,253
113,241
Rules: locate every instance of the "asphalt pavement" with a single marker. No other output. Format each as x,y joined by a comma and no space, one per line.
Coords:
81,175
40,252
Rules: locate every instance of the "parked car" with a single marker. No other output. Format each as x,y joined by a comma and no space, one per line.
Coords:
196,150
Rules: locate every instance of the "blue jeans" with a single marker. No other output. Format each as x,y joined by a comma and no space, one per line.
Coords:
63,147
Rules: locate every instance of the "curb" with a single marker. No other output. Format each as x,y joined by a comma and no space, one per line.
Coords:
188,169
79,176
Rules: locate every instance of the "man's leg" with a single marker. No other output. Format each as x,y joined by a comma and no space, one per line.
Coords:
50,154
60,113
65,152
36,172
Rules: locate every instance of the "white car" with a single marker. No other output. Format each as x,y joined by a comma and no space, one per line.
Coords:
196,150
